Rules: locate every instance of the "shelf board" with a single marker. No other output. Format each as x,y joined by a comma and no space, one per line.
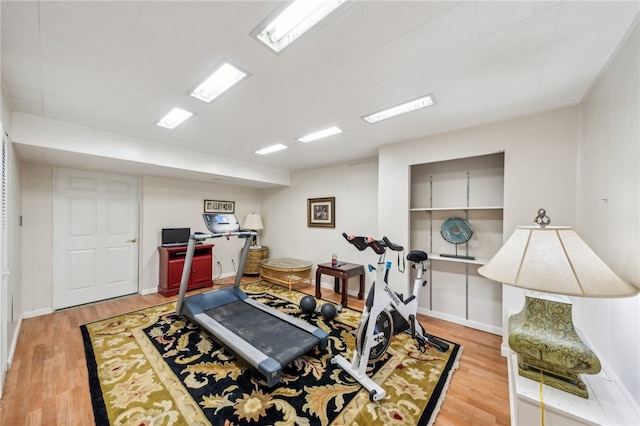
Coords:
435,209
476,261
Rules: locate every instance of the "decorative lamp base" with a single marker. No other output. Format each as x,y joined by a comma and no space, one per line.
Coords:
546,343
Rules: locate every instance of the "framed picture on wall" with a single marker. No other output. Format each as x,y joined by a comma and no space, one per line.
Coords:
321,212
215,206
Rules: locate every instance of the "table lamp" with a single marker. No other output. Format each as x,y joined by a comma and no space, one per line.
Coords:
544,259
253,222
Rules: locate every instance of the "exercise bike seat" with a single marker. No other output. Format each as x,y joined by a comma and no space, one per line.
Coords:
417,256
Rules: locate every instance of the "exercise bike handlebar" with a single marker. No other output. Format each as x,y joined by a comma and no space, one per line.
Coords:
378,246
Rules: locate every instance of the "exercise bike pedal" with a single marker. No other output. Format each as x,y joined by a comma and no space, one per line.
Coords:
429,339
434,341
421,344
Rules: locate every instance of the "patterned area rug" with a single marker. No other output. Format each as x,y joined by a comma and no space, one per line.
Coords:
151,367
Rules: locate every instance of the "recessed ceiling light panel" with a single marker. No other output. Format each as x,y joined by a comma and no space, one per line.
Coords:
225,76
294,21
404,108
174,118
321,134
272,148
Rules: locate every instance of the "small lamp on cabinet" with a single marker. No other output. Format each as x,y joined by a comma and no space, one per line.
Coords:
544,259
253,222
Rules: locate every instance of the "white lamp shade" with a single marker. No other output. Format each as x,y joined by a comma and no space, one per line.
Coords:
253,222
554,260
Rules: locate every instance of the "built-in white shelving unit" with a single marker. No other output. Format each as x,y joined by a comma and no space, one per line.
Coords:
472,189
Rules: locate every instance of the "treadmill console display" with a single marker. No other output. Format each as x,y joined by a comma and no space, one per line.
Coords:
220,223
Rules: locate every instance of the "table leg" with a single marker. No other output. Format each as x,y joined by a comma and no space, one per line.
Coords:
345,287
361,292
318,283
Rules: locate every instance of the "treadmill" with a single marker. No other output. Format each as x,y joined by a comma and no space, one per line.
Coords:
264,337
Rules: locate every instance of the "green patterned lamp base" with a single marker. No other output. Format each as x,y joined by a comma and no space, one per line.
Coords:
545,341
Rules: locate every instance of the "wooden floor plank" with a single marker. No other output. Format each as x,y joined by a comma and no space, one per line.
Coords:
48,382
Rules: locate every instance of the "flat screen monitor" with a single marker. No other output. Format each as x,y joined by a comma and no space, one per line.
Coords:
175,236
220,223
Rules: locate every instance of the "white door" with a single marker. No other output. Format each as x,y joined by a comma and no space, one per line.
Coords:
95,234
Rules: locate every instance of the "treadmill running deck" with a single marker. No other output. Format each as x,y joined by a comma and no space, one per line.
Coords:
277,339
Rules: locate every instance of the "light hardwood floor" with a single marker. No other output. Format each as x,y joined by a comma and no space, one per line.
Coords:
48,383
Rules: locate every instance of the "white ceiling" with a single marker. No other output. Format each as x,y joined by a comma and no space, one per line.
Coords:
119,66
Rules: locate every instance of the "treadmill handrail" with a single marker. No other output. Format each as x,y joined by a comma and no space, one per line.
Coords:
200,236
239,234
201,307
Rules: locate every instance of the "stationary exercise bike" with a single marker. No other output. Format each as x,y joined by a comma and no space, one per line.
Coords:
377,324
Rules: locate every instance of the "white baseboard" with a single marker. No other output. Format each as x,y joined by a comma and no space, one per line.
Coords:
14,343
228,274
10,355
37,313
450,318
461,321
148,291
330,286
504,350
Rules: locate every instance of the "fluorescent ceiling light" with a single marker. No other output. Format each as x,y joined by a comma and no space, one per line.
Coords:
218,82
321,134
272,148
295,20
174,118
400,109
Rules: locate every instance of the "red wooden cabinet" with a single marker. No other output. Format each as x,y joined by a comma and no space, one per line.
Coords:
172,263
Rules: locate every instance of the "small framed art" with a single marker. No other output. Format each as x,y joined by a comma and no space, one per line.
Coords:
321,212
215,206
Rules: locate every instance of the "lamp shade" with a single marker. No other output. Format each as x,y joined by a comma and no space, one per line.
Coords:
554,259
253,221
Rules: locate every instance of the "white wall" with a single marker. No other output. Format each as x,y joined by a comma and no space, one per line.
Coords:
164,203
565,161
284,215
170,203
608,216
37,239
84,146
539,172
176,203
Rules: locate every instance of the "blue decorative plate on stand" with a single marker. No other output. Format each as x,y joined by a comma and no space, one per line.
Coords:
456,230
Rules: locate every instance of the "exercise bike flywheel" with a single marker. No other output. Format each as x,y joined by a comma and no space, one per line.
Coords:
384,325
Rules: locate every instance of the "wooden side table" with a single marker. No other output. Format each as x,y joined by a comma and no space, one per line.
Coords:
342,272
254,259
